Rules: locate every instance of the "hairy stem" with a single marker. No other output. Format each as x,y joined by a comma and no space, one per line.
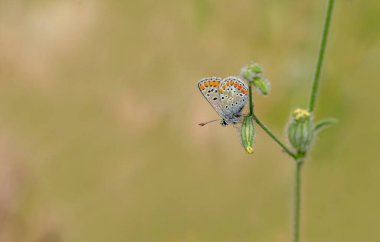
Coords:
322,49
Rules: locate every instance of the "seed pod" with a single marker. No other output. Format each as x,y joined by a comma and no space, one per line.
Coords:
300,130
253,74
248,134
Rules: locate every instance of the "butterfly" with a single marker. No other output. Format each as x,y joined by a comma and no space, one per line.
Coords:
227,96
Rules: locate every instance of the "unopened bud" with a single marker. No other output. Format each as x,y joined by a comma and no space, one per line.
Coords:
253,74
248,134
300,130
262,85
251,71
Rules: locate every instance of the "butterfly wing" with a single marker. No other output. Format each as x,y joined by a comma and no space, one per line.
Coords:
209,87
233,96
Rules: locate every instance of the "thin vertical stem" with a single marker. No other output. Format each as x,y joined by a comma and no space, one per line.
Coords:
313,97
299,158
317,74
312,102
297,200
250,99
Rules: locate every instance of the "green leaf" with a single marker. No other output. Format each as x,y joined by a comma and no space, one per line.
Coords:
324,123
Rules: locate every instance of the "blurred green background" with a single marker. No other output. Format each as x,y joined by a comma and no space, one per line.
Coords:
99,109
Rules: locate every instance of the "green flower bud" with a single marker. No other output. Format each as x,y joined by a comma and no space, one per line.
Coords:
262,85
248,134
253,74
251,71
300,130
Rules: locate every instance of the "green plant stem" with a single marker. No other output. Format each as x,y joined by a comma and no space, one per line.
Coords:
297,200
263,126
270,133
322,49
312,101
250,99
299,158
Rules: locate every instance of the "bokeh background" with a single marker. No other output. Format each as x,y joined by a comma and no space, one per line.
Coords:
99,109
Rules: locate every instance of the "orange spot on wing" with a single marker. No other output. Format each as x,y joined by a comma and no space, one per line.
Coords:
202,87
221,91
236,84
224,86
206,84
240,87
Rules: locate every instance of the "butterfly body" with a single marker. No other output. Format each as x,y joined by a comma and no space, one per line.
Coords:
227,96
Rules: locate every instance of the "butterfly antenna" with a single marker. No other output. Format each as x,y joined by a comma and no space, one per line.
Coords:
203,124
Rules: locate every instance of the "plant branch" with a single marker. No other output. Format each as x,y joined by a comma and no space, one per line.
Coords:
263,126
317,74
270,133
